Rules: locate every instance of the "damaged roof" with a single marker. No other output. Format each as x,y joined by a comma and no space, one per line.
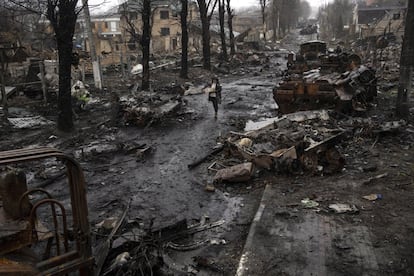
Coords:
368,15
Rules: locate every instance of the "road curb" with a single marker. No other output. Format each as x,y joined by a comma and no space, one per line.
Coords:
242,269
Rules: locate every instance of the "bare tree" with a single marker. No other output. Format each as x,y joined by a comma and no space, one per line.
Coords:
130,10
222,30
263,5
184,39
406,63
62,15
145,43
230,25
334,15
206,11
285,14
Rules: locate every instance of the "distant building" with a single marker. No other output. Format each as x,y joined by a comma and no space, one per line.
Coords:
242,21
374,20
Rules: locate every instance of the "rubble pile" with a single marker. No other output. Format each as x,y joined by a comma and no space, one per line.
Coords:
141,109
305,142
388,69
308,30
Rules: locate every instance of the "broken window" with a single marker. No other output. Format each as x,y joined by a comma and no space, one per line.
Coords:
113,26
164,14
165,31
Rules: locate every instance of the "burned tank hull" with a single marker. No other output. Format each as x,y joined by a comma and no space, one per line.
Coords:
317,78
348,91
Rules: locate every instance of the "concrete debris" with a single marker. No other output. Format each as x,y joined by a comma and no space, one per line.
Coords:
372,197
210,188
137,69
146,107
309,204
107,224
389,127
300,116
341,208
95,148
245,142
237,173
193,90
29,122
372,179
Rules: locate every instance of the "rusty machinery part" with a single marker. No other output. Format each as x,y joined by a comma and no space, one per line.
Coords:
52,202
30,192
328,161
309,162
81,258
333,161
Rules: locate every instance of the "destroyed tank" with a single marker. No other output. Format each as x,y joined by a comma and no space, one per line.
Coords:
316,78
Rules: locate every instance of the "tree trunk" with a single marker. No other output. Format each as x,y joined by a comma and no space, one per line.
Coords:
406,63
205,27
230,25
222,31
145,43
63,21
263,11
184,40
3,87
65,120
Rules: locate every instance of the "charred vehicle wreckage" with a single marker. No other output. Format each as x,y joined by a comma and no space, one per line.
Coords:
316,77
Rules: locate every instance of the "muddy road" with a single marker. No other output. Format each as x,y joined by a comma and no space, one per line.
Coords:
160,184
161,188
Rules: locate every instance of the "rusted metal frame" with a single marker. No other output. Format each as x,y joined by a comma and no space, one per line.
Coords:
32,191
80,264
80,208
78,193
55,223
27,152
64,221
57,260
27,158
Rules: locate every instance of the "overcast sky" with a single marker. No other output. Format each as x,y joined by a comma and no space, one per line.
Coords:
104,4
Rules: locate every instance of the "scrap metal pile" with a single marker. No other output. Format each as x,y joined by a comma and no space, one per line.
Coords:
317,78
305,142
308,30
142,109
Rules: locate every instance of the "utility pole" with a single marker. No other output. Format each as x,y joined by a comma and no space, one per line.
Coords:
96,66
